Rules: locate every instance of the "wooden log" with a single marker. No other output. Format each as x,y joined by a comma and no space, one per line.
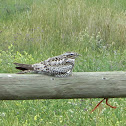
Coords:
79,85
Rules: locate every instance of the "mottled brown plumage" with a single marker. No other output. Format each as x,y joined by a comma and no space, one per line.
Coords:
59,66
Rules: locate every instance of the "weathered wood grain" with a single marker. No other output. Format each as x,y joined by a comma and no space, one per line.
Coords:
80,85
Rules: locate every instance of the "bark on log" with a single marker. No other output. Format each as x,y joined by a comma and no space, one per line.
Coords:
79,85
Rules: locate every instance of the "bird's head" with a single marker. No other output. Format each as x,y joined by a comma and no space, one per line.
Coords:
71,55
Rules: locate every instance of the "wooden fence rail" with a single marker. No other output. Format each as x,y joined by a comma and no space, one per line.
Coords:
79,85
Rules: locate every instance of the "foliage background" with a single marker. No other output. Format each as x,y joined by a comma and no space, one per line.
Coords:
33,30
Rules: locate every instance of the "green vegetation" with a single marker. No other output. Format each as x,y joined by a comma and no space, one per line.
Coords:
31,31
61,112
48,24
10,8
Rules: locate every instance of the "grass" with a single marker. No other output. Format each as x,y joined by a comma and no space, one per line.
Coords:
61,112
31,31
48,24
10,8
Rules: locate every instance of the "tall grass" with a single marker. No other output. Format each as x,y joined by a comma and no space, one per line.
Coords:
51,23
9,8
32,31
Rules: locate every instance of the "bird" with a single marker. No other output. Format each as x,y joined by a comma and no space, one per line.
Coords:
106,104
58,66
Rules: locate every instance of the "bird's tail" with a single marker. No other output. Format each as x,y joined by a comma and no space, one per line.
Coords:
26,68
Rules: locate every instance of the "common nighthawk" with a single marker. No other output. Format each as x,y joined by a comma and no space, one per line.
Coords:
58,66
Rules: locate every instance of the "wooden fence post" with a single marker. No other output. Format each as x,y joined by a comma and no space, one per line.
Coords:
79,85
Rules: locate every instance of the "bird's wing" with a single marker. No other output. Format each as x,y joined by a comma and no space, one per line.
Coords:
57,60
24,66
